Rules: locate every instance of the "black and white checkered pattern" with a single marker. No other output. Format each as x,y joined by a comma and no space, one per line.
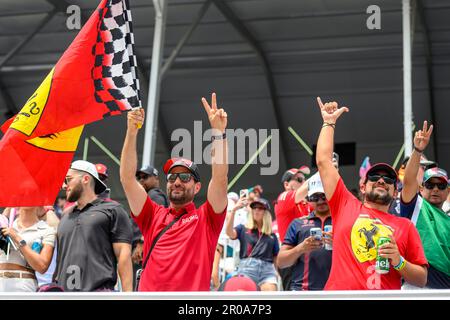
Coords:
115,71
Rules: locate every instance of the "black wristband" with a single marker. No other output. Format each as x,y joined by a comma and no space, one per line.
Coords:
418,150
326,124
221,137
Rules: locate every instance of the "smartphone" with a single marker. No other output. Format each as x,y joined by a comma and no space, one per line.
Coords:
243,193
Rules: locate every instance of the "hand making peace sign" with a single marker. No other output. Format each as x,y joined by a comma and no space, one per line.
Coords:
217,117
422,137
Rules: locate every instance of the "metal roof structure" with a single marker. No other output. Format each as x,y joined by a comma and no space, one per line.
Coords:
267,60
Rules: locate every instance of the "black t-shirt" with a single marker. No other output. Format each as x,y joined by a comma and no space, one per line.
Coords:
86,259
311,270
256,245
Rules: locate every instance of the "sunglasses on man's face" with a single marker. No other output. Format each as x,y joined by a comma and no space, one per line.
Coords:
376,177
298,179
430,185
316,197
142,177
184,177
69,178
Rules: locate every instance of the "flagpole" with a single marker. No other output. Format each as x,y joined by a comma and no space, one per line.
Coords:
86,146
148,155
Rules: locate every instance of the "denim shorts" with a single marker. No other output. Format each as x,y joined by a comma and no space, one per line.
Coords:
258,270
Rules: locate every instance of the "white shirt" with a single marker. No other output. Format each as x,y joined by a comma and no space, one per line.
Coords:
39,231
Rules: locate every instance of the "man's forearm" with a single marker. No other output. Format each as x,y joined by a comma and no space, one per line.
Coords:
219,158
128,158
288,257
125,269
325,145
411,170
415,274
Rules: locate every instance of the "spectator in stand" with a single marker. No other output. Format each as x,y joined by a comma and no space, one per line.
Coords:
357,226
148,177
259,246
48,215
182,257
423,205
94,236
32,252
225,246
309,257
102,171
291,204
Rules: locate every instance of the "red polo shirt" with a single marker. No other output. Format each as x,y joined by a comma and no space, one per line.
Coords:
182,258
286,210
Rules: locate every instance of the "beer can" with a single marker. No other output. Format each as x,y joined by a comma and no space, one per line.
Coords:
316,233
382,264
328,228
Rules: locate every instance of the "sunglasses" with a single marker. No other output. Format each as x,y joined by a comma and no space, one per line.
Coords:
298,179
376,177
142,177
68,179
316,197
430,185
184,177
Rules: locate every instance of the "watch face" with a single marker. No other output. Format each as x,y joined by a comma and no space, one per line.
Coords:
22,243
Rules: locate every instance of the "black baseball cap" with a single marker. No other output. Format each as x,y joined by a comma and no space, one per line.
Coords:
182,162
261,201
151,171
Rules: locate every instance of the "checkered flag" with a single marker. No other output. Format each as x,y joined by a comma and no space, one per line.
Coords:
115,71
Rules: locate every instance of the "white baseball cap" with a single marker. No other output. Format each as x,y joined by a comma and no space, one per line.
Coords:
85,166
315,184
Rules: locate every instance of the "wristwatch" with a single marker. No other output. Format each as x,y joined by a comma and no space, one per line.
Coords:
22,243
219,137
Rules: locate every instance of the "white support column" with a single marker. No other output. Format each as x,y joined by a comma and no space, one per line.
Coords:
151,121
407,82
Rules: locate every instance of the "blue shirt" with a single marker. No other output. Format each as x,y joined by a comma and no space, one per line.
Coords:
256,245
312,269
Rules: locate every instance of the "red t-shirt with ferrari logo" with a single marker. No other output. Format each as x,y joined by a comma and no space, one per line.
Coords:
182,258
286,210
356,230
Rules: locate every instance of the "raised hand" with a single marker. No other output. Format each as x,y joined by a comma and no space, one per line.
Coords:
217,117
330,111
422,137
135,119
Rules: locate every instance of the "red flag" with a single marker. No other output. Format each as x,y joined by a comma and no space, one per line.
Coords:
32,171
95,78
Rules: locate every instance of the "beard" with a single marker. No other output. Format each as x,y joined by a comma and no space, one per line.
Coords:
75,193
183,195
378,198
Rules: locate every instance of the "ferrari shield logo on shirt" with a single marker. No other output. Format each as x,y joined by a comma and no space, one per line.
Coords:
364,236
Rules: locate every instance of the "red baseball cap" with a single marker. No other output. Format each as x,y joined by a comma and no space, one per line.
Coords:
182,162
102,169
239,283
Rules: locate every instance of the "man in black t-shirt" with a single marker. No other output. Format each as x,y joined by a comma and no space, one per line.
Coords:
94,236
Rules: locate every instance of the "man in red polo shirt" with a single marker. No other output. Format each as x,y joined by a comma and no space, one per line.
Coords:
183,256
291,204
358,226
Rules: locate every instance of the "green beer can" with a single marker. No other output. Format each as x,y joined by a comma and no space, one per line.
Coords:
382,264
